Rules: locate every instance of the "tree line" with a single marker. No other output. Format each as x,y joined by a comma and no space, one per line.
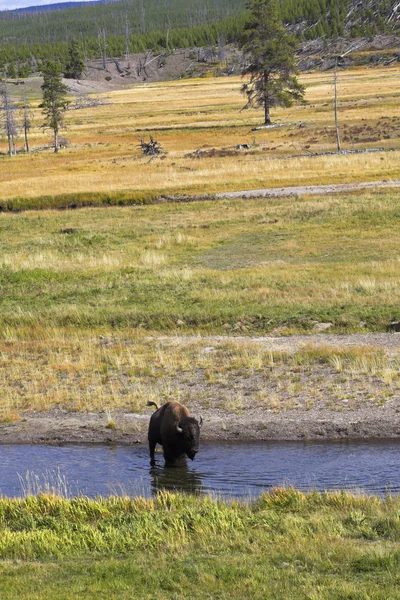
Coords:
270,64
168,24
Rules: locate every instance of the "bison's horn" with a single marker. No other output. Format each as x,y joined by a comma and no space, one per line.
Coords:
179,429
200,421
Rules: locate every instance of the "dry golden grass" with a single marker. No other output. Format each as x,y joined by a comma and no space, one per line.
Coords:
202,114
44,368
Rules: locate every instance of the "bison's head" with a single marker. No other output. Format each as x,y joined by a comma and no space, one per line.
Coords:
188,430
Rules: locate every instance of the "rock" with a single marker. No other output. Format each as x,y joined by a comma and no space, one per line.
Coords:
68,230
319,327
362,324
226,326
180,323
394,326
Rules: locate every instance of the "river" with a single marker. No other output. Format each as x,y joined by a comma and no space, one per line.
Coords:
239,470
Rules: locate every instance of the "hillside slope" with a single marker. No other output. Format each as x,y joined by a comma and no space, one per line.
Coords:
130,26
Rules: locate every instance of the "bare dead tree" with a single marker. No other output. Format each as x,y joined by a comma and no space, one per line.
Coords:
395,13
142,18
148,59
335,107
9,122
221,54
150,148
102,41
34,64
140,68
211,55
168,27
127,38
27,116
143,64
83,47
121,70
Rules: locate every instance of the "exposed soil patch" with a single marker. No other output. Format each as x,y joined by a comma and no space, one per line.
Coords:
304,190
197,62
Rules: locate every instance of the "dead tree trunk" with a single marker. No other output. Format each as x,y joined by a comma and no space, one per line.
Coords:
9,124
26,121
335,103
102,41
127,41
56,143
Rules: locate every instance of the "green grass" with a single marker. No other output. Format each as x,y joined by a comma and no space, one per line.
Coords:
285,545
79,200
264,263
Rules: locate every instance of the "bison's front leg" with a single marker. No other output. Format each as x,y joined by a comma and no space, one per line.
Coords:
169,456
152,448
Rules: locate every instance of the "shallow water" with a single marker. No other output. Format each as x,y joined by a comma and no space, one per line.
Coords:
237,470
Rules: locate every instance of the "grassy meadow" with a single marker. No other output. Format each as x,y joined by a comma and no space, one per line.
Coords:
96,303
205,266
82,290
284,545
104,163
88,295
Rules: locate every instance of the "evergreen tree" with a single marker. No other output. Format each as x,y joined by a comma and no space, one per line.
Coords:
54,98
270,60
11,71
75,64
24,70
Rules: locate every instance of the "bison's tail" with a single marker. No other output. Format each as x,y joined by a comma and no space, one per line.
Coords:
152,404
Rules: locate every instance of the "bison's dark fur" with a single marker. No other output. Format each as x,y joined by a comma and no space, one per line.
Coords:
177,432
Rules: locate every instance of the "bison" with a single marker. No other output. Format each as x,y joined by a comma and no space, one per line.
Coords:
177,432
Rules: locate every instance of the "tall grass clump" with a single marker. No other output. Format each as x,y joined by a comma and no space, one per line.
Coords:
315,545
50,525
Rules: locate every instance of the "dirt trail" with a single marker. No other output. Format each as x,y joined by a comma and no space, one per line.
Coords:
387,341
305,190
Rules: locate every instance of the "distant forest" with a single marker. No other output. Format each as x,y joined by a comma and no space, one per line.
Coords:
139,25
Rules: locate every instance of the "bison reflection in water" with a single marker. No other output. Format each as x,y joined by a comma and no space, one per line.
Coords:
176,431
180,479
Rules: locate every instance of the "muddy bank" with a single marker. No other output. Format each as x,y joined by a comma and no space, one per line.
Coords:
58,427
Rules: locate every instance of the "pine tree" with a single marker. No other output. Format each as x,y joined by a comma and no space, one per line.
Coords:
75,64
270,60
11,71
54,98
